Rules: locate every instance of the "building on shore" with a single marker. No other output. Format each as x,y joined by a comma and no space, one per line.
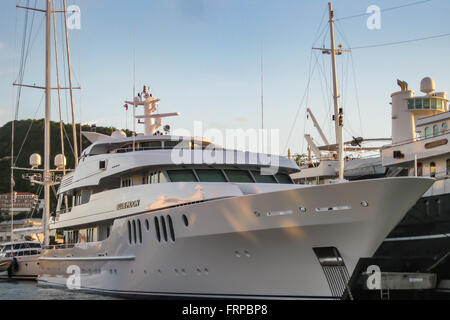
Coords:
24,230
23,202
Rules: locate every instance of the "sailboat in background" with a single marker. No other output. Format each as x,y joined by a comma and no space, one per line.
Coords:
21,258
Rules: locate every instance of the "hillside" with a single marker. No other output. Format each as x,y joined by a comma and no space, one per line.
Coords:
33,142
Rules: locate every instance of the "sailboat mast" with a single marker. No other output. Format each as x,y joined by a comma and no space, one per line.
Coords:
69,66
338,112
47,178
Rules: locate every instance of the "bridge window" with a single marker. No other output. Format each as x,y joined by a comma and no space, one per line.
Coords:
426,103
444,127
182,176
149,145
432,169
283,178
171,144
419,104
419,169
435,130
126,182
262,178
209,175
427,132
242,176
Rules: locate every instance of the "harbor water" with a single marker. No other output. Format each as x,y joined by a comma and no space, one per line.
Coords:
29,290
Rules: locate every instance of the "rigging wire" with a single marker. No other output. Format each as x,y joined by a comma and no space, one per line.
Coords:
383,10
29,129
300,106
401,42
342,34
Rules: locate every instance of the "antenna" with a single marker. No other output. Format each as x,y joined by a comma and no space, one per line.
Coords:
262,85
338,117
134,90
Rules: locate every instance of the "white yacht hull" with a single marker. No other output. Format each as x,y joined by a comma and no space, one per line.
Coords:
255,246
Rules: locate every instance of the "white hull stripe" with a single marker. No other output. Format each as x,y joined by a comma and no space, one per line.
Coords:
106,258
183,295
433,236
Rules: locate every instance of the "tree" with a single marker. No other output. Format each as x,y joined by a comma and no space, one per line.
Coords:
301,159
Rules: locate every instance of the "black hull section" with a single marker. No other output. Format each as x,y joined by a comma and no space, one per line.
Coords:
421,241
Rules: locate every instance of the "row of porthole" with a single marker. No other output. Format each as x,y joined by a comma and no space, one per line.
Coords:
134,230
166,228
166,224
182,272
364,204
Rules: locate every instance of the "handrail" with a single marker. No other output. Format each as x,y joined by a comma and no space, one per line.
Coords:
442,133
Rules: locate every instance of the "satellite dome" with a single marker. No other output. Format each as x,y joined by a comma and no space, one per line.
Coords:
60,161
118,134
427,85
35,160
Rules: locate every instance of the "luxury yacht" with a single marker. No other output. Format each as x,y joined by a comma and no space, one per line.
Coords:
20,259
162,215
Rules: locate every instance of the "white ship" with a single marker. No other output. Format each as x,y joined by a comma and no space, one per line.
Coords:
138,223
20,259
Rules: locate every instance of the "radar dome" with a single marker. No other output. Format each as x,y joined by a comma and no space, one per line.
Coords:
35,160
427,85
118,134
60,161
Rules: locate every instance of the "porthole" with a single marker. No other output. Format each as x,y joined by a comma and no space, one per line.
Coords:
140,231
164,228
158,232
172,231
185,220
134,231
129,232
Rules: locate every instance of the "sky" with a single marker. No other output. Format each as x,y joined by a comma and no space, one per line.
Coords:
202,58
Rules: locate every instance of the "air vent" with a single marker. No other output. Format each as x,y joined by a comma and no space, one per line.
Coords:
334,268
102,165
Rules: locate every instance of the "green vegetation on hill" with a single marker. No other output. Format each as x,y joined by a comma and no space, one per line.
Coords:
29,138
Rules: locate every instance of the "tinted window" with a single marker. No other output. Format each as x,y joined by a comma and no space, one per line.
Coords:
151,145
283,178
170,144
206,175
263,178
239,176
181,175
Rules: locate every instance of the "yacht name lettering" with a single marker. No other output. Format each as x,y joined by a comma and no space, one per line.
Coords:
128,204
